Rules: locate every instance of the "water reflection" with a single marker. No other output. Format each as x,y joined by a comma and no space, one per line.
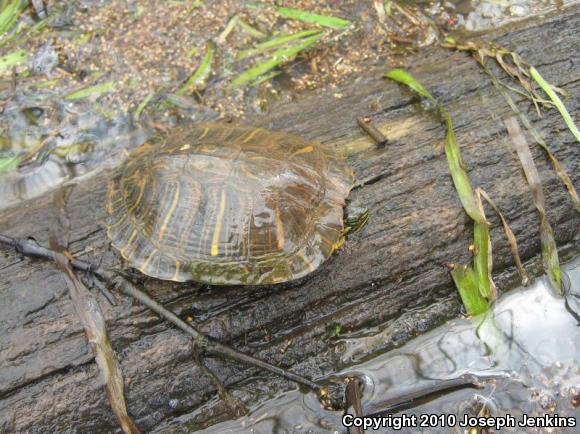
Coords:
50,141
526,354
480,15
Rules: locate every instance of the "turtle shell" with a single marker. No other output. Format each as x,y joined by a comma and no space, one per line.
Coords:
228,205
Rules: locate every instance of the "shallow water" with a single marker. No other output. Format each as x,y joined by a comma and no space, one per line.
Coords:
525,355
481,15
58,141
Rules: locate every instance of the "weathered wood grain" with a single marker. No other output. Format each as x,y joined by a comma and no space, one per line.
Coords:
392,273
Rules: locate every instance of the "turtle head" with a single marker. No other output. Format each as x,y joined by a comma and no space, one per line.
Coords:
356,217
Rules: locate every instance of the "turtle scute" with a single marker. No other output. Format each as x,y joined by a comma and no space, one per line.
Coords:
228,205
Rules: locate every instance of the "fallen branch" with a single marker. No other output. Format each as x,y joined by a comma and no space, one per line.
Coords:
87,309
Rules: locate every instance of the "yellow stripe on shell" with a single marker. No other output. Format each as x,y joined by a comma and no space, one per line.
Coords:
279,229
118,222
169,213
218,226
177,270
129,242
205,131
146,263
305,150
251,135
138,201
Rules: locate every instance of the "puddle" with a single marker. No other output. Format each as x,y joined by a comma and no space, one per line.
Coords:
526,357
481,15
51,141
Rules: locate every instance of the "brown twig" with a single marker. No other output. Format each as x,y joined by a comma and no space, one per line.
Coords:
353,401
423,393
89,313
372,131
236,406
202,341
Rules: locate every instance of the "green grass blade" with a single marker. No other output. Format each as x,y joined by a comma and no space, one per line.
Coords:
466,283
141,107
9,163
276,59
253,32
308,17
403,77
201,74
48,83
232,23
538,138
10,14
547,241
12,60
458,173
475,284
546,87
275,42
92,91
482,260
550,253
265,78
179,102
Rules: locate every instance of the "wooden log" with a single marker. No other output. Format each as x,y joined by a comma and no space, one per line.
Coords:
392,273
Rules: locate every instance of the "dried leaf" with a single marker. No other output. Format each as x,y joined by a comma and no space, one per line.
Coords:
548,243
509,234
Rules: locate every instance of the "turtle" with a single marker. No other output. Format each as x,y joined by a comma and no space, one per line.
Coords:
227,204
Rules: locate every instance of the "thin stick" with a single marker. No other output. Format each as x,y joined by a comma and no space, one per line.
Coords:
92,320
372,131
421,393
236,407
353,401
202,341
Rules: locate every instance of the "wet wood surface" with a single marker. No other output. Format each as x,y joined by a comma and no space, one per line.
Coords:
390,274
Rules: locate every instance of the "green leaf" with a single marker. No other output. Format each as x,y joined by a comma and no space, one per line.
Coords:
199,77
276,42
10,14
308,17
403,77
141,107
466,283
475,284
9,163
92,91
546,87
253,32
12,60
278,57
482,260
270,75
232,23
458,173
